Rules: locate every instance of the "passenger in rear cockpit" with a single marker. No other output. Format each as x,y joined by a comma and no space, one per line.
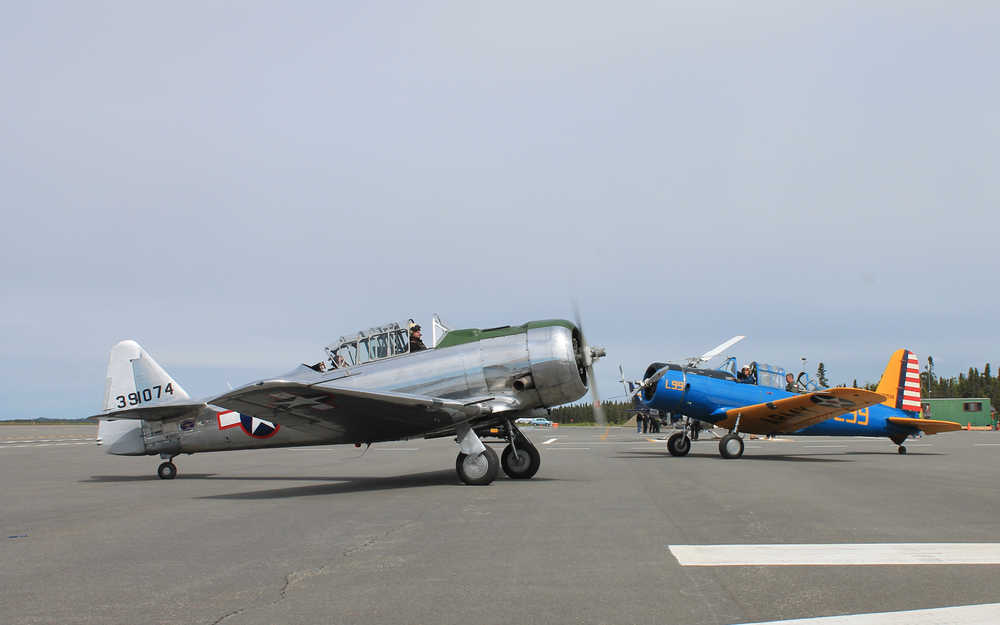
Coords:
744,375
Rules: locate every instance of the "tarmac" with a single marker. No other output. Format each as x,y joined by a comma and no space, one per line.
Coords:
610,531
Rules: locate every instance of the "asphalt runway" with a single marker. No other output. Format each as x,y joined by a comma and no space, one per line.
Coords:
328,535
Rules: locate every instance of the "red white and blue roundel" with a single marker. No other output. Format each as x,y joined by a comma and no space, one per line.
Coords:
257,428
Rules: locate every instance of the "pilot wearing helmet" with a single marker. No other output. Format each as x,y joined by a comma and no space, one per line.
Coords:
416,343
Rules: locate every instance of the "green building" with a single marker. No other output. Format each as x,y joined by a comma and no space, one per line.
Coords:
965,410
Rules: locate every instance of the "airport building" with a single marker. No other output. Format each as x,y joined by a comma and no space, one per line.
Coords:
974,411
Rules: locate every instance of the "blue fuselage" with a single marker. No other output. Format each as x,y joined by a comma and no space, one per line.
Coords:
708,395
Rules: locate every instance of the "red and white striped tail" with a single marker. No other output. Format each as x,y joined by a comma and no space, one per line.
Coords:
910,399
900,383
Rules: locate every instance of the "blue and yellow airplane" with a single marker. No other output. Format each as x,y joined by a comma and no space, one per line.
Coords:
755,401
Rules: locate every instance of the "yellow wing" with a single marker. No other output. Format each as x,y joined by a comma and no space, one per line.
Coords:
799,411
930,426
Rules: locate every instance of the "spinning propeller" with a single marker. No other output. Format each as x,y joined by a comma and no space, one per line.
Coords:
586,358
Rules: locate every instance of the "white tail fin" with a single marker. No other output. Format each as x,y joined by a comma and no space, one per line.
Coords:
135,380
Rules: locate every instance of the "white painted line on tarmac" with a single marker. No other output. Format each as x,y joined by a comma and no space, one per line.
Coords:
550,441
986,614
570,448
35,446
396,448
46,440
985,444
837,554
823,446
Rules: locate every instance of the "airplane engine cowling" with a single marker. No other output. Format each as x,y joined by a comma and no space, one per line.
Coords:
552,353
649,391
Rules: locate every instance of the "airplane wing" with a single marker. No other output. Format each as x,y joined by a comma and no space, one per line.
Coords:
930,426
799,411
362,415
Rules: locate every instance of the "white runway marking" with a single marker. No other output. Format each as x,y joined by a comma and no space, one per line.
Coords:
570,448
550,441
396,448
985,444
837,554
822,446
986,614
46,440
34,445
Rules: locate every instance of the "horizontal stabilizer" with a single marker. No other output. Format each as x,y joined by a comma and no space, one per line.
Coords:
928,426
153,413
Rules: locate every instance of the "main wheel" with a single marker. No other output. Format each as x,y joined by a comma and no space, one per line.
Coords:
902,450
524,465
478,470
679,444
731,446
167,471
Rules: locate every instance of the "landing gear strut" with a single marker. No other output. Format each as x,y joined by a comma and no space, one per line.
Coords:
731,445
520,459
478,470
679,444
899,439
477,464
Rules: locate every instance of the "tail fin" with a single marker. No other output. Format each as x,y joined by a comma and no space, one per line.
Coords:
135,380
900,381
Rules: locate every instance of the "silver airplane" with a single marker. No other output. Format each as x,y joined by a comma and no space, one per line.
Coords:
371,388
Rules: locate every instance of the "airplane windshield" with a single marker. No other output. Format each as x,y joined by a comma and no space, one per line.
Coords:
377,343
769,375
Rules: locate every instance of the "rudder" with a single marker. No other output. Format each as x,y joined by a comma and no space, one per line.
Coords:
900,381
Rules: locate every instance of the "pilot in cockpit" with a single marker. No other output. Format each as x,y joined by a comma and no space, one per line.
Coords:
744,375
416,343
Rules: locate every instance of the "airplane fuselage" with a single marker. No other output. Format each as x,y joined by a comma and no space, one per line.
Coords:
540,355
708,395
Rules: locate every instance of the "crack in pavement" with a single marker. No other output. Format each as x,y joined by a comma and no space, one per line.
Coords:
296,577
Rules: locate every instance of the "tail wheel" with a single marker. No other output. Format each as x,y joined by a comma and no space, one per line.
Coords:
902,450
478,470
524,465
731,446
167,471
679,444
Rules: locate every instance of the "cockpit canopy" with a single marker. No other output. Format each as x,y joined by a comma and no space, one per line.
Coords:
376,343
763,374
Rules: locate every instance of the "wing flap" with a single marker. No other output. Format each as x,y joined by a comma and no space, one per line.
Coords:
799,411
928,426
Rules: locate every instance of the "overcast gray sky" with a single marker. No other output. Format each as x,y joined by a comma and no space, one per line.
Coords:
234,185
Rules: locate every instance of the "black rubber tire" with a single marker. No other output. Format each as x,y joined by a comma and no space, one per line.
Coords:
901,450
527,462
679,444
474,472
167,471
728,446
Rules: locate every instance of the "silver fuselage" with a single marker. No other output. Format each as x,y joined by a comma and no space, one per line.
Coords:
546,356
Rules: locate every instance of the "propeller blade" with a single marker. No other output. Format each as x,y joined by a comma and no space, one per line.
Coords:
715,351
588,362
599,415
650,381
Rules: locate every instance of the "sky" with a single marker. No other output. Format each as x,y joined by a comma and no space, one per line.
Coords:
234,185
